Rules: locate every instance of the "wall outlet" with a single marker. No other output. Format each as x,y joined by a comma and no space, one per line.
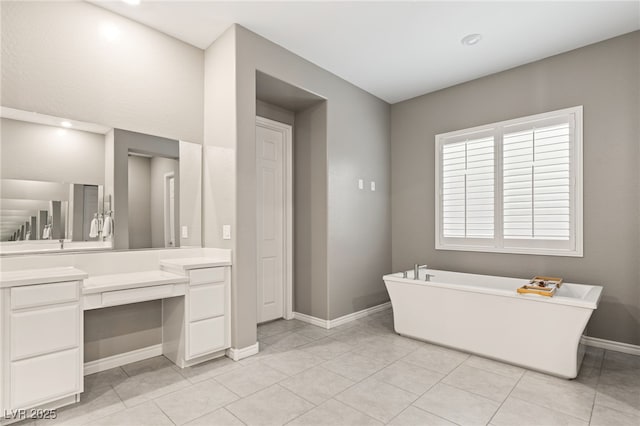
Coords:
226,232
360,184
185,231
373,185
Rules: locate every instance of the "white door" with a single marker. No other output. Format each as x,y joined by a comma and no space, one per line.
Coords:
270,160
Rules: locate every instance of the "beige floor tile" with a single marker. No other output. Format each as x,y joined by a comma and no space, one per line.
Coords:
383,352
150,384
354,336
317,384
271,406
413,416
251,378
107,378
409,377
313,332
458,406
208,369
94,404
277,327
333,412
199,399
147,414
326,348
604,416
286,341
621,397
379,400
354,367
220,417
517,412
620,361
567,396
436,358
146,366
497,367
292,362
481,382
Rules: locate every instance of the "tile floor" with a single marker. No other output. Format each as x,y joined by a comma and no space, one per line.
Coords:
361,373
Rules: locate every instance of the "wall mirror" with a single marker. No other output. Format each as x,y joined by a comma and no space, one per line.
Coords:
66,185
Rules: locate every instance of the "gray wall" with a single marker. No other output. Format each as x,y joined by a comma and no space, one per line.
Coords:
605,79
139,206
357,145
311,293
275,113
119,329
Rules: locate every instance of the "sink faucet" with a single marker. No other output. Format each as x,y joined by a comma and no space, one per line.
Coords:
61,244
416,270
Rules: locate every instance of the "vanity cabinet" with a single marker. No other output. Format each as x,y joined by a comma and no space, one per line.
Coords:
42,351
199,328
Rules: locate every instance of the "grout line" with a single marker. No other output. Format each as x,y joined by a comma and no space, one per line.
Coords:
153,401
505,400
230,412
595,394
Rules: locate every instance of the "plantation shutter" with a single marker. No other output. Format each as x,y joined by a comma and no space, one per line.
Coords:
468,188
537,180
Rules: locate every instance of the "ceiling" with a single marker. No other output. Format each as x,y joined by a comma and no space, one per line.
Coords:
399,50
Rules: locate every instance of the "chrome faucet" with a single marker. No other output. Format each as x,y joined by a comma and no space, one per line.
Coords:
61,244
416,270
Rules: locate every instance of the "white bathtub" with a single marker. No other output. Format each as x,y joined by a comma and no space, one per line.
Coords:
485,315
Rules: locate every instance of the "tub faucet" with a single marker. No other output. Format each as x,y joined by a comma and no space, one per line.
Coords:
61,244
416,270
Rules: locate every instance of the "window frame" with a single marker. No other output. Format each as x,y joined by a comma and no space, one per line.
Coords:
516,246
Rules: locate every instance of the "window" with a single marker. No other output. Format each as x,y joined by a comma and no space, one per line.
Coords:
513,186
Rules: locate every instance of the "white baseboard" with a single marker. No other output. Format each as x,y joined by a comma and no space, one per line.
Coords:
611,345
238,354
113,361
329,324
311,320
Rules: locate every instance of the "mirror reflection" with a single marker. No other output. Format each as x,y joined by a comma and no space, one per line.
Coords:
68,185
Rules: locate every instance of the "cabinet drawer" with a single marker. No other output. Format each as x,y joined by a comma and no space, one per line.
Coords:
206,336
207,275
43,294
44,378
141,294
44,330
206,301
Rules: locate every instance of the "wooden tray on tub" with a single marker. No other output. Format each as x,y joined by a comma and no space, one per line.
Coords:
543,286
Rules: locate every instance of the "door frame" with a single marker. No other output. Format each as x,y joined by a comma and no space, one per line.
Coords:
167,219
288,209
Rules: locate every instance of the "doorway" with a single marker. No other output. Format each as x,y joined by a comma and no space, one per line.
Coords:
274,167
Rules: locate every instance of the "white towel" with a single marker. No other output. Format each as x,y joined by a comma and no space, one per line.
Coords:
94,228
107,228
46,233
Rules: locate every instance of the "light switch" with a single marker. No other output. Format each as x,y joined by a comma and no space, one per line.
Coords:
185,231
360,184
373,185
226,232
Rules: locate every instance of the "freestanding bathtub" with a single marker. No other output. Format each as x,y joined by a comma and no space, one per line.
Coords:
485,315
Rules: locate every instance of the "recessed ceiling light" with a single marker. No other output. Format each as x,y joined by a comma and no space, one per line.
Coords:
66,124
471,39
131,2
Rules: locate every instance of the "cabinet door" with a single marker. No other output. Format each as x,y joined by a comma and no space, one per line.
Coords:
206,336
44,330
206,301
45,378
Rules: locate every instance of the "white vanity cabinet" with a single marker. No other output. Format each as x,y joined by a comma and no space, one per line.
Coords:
204,331
42,350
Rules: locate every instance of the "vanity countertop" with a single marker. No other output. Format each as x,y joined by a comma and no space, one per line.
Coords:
110,282
189,263
40,276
